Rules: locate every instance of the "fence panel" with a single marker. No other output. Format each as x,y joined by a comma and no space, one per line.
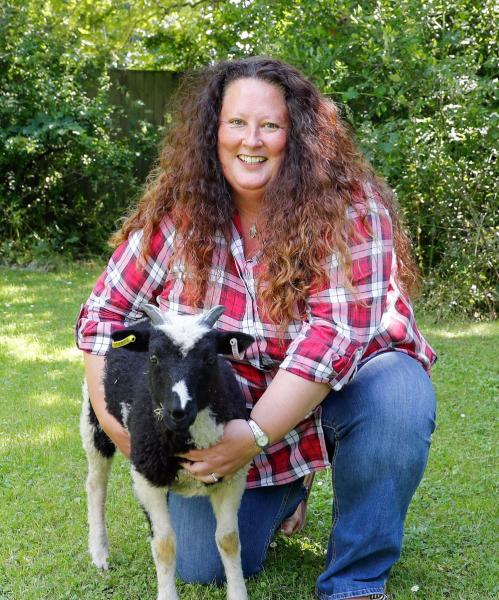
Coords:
143,94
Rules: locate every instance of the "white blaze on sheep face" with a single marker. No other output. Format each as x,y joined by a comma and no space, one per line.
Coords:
182,392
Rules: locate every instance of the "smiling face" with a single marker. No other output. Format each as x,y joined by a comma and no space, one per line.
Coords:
252,136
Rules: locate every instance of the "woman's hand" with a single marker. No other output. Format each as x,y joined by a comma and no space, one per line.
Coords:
235,449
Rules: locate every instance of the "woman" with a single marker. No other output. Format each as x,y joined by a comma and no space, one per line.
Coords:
263,204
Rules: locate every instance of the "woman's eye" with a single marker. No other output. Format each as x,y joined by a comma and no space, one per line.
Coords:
236,122
270,125
154,359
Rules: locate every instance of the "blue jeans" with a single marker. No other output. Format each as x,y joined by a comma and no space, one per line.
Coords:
378,431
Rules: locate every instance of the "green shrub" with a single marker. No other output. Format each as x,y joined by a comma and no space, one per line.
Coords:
67,173
436,142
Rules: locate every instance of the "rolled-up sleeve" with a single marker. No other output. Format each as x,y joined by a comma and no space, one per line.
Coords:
342,321
121,289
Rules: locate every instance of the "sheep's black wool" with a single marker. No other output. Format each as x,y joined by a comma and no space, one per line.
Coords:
101,441
135,386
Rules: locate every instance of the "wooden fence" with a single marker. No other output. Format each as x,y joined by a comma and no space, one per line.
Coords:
142,94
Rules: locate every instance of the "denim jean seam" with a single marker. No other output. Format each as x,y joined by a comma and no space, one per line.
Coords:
276,522
328,424
352,594
336,513
336,508
336,517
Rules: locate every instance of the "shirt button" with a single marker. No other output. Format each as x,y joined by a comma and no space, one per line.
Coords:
266,361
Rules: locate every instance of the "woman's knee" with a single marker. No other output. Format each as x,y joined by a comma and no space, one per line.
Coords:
208,571
386,415
198,560
402,413
393,393
212,572
406,403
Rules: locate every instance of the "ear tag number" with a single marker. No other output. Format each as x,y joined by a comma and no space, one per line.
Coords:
128,340
235,349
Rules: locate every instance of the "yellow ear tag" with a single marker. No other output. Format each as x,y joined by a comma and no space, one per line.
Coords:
124,341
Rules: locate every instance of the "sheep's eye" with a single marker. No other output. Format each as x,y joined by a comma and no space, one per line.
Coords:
154,359
209,359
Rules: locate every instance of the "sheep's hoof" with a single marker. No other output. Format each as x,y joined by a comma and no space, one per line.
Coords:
169,594
237,592
99,559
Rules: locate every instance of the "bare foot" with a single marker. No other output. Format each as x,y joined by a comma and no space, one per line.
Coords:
297,521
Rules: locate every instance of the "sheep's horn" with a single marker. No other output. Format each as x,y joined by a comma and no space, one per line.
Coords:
212,316
157,316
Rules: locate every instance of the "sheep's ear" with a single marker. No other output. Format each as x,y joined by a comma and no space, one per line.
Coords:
136,340
233,342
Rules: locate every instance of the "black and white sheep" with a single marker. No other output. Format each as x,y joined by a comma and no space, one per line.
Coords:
166,383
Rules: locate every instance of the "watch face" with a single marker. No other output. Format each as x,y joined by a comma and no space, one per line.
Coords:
263,440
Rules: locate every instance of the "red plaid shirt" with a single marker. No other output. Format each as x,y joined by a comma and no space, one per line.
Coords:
342,327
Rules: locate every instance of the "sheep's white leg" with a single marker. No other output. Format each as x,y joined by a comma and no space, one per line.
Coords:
96,485
163,544
225,500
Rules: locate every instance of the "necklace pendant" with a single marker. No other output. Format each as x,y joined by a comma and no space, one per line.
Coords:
253,231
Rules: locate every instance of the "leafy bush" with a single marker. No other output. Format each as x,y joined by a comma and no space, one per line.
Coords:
67,173
431,128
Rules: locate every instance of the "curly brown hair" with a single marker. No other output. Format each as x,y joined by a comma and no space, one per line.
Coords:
322,174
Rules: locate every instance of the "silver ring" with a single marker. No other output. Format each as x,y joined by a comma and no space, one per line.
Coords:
215,478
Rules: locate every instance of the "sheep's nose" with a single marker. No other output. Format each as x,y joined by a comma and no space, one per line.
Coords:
178,419
177,414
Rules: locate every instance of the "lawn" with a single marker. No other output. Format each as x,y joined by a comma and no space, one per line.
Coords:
450,549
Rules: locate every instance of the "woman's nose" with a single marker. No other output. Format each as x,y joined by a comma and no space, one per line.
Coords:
252,136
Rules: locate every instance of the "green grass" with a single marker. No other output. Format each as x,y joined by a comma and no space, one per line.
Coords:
449,549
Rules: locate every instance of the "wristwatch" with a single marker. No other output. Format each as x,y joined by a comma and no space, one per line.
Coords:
261,438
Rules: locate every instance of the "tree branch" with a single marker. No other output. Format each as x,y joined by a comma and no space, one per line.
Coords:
177,5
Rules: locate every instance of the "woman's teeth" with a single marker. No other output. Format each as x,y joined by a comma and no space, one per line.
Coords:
251,159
